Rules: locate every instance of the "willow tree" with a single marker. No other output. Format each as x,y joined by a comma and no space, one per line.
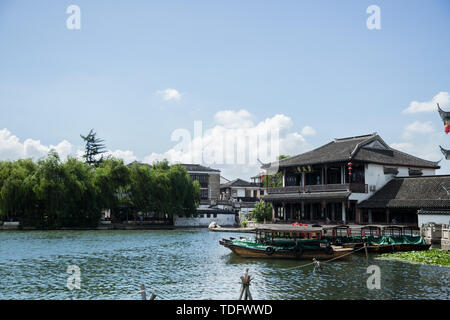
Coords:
163,189
94,148
112,178
16,192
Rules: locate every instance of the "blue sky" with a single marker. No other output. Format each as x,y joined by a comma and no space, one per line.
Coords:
314,62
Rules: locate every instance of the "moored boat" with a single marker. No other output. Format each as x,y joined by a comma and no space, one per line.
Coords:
286,242
379,238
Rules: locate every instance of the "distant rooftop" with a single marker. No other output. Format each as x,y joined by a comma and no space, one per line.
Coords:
198,167
189,167
237,183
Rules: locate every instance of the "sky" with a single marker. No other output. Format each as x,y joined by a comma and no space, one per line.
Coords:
144,74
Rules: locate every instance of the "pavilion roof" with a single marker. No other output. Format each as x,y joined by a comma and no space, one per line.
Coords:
368,148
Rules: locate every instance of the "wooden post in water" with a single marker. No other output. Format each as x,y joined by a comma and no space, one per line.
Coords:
245,286
367,253
143,294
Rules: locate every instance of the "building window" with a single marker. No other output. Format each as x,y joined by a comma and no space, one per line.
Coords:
215,215
261,192
292,180
201,178
204,194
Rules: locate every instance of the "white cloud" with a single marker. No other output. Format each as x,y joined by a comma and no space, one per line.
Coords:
426,146
417,127
126,155
234,119
12,149
169,94
443,98
308,131
235,143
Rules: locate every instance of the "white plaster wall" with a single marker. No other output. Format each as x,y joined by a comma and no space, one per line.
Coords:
223,220
241,192
438,219
429,172
403,172
374,175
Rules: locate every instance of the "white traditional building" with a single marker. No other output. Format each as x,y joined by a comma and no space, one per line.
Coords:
224,218
331,183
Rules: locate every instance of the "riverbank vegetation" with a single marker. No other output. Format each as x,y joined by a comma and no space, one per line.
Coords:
51,193
432,257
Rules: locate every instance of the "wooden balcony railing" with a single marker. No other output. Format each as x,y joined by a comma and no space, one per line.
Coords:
353,187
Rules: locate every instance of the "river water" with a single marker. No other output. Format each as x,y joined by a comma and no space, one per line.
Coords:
189,264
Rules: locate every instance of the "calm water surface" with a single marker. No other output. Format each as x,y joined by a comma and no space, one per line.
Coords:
189,264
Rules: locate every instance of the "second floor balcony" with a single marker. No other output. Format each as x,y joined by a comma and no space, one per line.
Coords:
352,187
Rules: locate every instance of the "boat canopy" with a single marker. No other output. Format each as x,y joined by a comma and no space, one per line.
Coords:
287,229
341,226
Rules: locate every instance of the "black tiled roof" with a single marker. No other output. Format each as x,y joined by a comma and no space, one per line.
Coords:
237,183
356,148
198,167
434,212
426,192
189,167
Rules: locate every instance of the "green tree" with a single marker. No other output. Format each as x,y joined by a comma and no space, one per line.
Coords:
16,194
94,147
112,180
141,188
262,211
82,206
274,180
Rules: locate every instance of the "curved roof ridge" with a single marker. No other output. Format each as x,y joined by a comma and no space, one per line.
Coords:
411,156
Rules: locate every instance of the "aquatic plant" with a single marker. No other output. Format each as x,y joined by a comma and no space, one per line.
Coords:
432,257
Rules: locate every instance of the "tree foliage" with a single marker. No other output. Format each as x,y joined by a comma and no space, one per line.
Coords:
94,147
274,180
262,211
54,194
163,189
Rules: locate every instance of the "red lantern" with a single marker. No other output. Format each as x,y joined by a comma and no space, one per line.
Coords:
349,168
447,128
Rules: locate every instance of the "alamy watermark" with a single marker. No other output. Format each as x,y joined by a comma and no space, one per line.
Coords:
374,280
74,280
73,22
373,22
228,146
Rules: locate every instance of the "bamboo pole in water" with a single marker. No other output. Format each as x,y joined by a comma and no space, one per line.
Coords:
367,253
143,294
245,286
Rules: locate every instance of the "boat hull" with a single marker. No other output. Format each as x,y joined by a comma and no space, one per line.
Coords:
247,252
398,248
